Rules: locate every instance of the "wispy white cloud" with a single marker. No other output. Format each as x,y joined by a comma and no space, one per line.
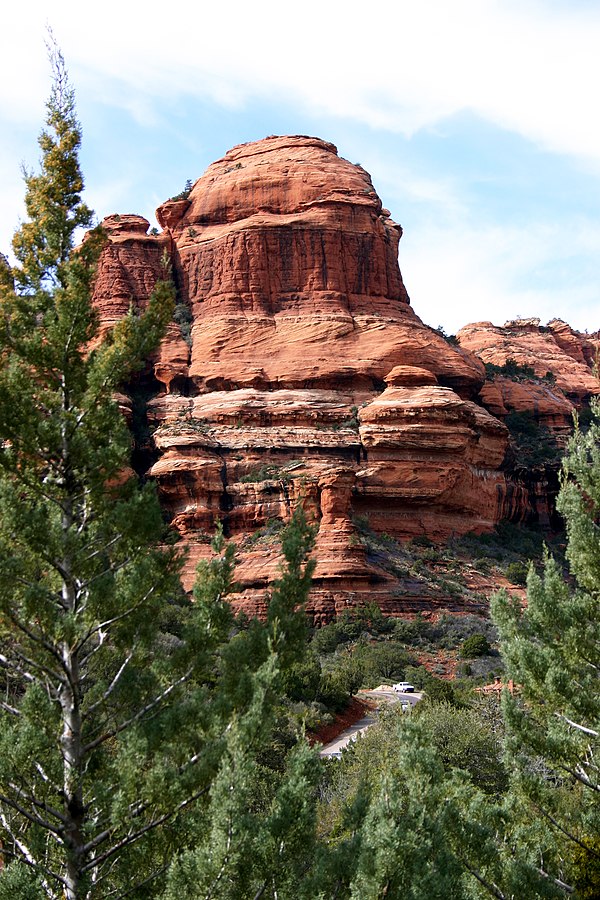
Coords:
530,67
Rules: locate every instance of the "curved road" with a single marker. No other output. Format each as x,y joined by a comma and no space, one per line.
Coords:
334,748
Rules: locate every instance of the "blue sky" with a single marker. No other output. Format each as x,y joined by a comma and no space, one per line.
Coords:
477,119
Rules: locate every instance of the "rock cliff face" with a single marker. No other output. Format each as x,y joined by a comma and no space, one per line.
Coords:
297,370
571,357
564,364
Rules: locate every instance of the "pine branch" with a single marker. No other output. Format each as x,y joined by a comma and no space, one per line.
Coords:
575,725
102,626
561,884
222,870
136,887
18,669
110,688
113,569
42,642
30,816
139,715
25,856
566,833
46,778
580,775
138,809
30,797
133,838
105,547
492,888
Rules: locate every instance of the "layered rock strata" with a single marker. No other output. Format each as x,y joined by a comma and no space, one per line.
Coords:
565,366
571,358
305,375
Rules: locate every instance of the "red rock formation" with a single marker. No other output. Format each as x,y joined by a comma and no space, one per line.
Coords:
130,265
555,348
547,403
290,266
565,365
309,376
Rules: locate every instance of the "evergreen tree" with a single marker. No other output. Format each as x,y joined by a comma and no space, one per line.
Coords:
256,834
122,702
402,822
81,577
121,699
552,651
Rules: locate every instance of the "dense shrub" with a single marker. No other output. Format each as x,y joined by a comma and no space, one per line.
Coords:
517,572
182,314
476,645
532,444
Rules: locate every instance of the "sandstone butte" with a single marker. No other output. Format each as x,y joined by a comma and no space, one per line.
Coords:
297,370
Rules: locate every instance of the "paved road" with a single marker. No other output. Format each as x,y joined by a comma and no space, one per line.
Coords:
334,748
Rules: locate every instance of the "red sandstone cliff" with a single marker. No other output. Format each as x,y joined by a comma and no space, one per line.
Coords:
306,375
570,356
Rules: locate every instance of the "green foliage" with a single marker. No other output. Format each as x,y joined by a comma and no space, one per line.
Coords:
469,739
533,444
510,369
411,810
586,869
257,828
507,543
185,193
267,534
126,709
182,314
476,645
551,649
263,473
18,881
436,690
352,421
449,338
272,472
517,572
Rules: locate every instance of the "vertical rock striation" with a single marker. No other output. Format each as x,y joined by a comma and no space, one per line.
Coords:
306,374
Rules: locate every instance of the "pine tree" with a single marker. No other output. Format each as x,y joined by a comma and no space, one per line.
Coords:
125,708
256,834
81,575
552,651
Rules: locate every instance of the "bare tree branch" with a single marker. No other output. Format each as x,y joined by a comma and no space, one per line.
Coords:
492,888
31,817
570,722
9,709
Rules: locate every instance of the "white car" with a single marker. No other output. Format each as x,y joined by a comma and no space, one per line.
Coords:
404,687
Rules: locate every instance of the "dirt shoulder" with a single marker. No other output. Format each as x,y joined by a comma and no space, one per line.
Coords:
357,709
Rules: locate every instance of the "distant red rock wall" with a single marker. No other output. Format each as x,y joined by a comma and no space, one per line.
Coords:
307,376
572,357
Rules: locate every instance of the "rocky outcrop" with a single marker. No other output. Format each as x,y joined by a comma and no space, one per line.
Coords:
297,371
570,357
553,375
545,402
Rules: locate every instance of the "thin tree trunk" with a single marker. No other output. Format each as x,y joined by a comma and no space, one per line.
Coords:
70,701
